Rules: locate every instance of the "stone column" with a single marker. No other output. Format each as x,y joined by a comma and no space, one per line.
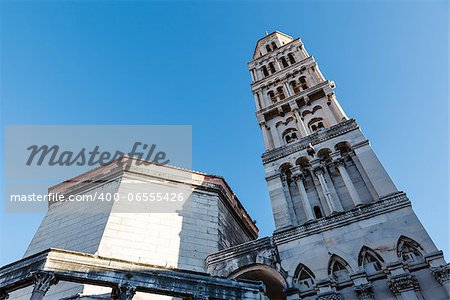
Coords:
264,133
336,108
275,136
340,163
375,171
123,292
404,286
304,197
289,91
300,125
43,280
326,191
289,202
279,202
442,275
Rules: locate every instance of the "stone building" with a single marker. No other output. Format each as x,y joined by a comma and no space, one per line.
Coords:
343,229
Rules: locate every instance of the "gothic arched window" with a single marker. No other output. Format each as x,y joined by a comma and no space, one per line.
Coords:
268,49
274,46
303,278
284,62
338,268
409,250
369,260
265,72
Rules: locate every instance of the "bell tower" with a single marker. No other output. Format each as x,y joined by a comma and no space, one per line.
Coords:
317,161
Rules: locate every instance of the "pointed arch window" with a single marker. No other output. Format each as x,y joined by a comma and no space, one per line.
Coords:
409,250
370,260
338,269
303,278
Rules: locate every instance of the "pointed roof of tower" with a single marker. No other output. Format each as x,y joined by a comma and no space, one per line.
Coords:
281,37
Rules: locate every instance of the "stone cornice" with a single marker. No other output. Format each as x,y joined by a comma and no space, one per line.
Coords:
384,205
315,138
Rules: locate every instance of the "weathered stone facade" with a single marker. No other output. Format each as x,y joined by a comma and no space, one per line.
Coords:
343,229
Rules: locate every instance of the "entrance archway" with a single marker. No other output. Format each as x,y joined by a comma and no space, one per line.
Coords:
274,282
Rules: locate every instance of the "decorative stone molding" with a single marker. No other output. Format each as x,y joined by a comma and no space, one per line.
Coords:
123,292
403,282
390,202
313,139
330,296
441,274
43,280
364,291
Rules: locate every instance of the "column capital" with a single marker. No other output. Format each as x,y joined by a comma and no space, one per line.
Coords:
364,291
123,292
441,274
339,162
43,280
403,282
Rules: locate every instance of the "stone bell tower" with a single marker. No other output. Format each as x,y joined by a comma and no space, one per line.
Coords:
317,161
343,229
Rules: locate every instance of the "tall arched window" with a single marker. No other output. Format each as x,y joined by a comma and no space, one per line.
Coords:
369,260
409,250
274,46
338,268
295,87
291,58
272,96
265,72
303,83
268,49
272,68
303,278
317,212
284,62
280,93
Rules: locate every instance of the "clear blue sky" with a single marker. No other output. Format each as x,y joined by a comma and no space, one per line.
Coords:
123,62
